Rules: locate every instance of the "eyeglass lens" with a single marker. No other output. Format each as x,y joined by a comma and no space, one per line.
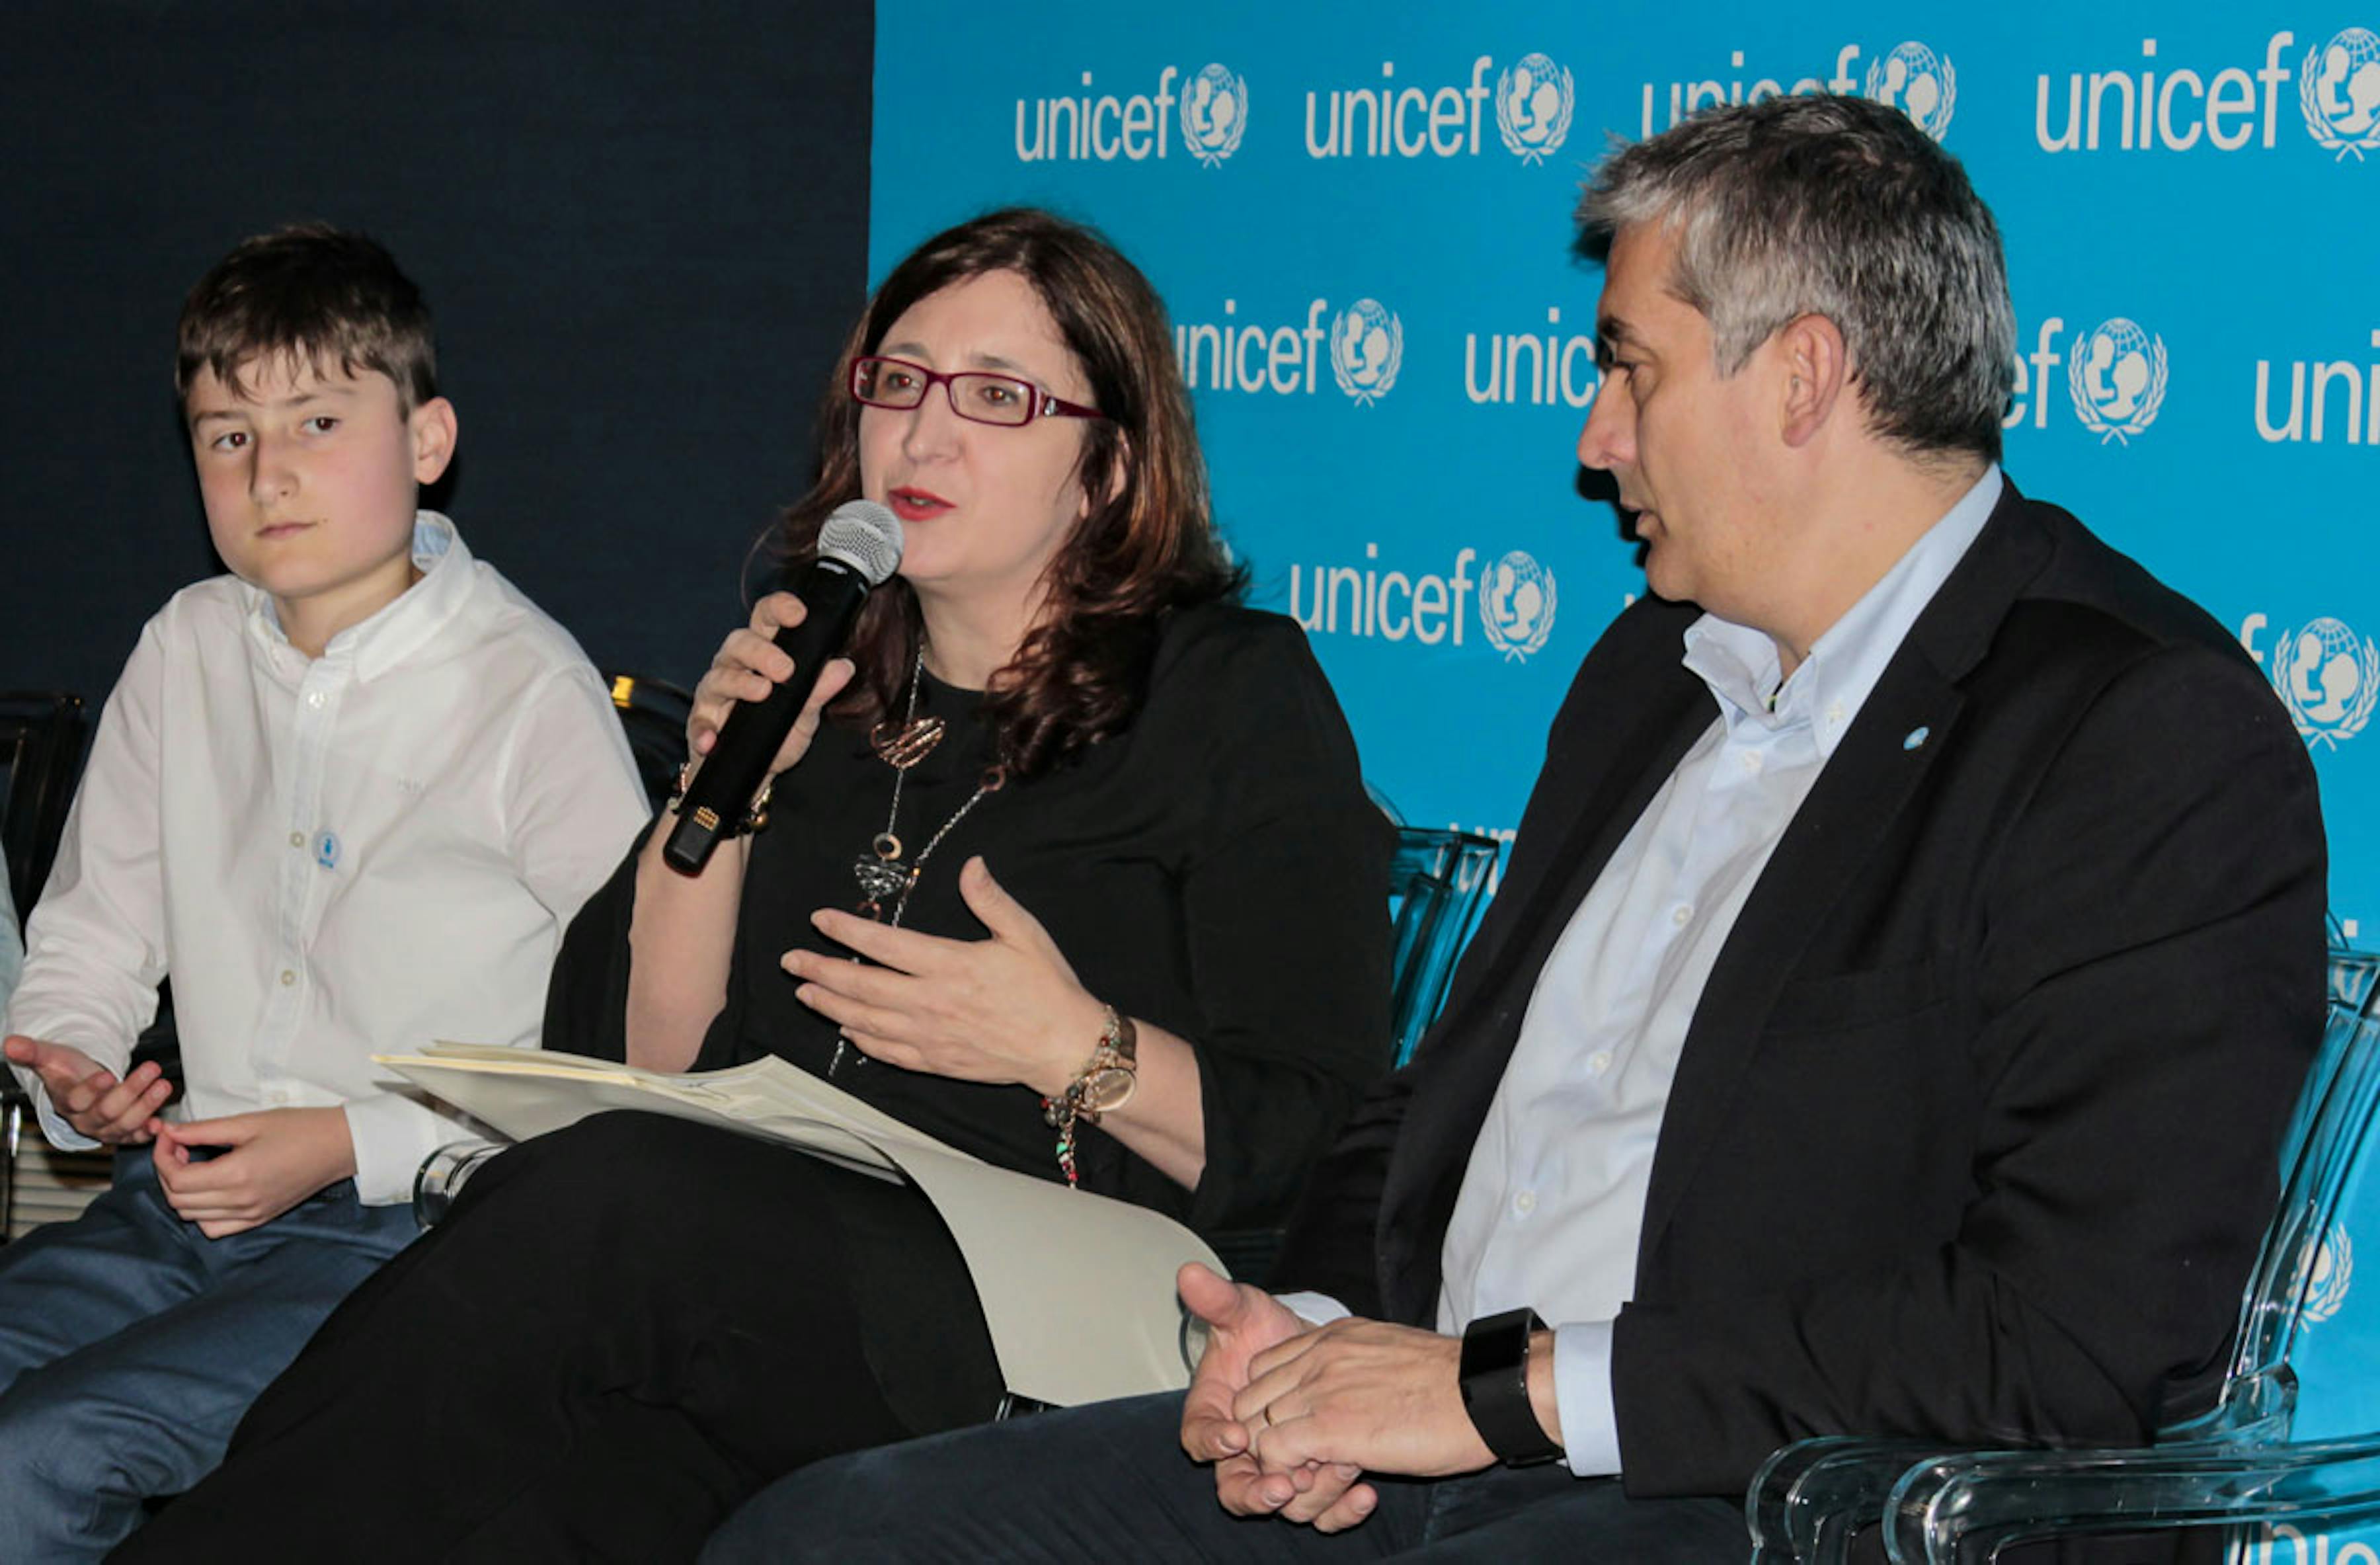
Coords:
985,398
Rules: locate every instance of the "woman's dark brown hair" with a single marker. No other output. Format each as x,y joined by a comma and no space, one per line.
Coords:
1146,548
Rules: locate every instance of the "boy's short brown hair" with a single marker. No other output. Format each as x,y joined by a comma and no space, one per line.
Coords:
316,293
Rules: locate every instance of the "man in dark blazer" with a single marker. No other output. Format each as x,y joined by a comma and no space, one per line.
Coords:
1887,1021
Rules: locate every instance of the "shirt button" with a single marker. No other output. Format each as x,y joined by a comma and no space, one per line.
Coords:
1681,914
287,978
314,698
296,839
1751,763
1525,1202
1599,1061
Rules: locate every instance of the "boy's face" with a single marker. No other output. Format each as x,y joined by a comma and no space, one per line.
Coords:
309,473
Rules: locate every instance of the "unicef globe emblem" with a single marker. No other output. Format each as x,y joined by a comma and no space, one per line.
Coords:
1533,104
1516,604
1368,349
2338,89
2117,377
2330,678
1214,114
1918,82
2334,1268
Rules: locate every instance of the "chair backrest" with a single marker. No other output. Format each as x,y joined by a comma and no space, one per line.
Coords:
41,750
653,712
2303,1265
1434,888
2354,975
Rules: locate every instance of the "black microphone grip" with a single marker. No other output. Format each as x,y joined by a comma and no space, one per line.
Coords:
724,784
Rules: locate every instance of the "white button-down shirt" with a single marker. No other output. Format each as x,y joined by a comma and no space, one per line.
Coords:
364,851
12,947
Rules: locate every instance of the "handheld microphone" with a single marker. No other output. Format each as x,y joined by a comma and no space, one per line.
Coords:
858,549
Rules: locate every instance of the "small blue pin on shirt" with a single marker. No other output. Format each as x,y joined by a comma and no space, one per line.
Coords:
1915,737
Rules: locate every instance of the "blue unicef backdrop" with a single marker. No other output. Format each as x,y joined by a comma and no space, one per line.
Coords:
1361,222
1361,225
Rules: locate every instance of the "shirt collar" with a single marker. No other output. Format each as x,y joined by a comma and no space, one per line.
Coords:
386,639
1742,668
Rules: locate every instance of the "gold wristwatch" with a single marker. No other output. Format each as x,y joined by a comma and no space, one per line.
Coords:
1107,1082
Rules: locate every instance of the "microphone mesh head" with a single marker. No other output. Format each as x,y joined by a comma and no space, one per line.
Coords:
865,536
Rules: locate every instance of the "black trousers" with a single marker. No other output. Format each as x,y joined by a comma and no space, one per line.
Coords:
1109,1482
620,1331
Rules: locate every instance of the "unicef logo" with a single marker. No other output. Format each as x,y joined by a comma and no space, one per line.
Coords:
1533,103
2338,88
1516,605
1214,114
1918,82
2334,1268
1368,347
2117,378
2330,678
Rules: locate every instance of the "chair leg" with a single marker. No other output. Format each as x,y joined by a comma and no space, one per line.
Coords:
13,1111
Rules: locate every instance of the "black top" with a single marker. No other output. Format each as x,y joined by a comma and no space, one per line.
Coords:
1216,869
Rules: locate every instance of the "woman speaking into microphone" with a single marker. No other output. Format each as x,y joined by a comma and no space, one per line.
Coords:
1066,862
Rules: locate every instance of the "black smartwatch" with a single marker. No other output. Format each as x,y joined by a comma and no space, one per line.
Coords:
1495,1378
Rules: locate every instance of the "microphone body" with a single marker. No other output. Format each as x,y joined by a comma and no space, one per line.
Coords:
859,548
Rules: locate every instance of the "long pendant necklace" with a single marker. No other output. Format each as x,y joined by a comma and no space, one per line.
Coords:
883,875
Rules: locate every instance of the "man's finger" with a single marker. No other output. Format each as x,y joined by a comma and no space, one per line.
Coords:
1212,1297
1286,1444
1213,1436
1244,1489
1357,1503
1325,1490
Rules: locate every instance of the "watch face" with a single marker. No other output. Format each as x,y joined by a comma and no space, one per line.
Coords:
1107,1090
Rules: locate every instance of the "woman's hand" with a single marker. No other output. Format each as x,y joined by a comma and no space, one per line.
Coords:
747,666
1006,1009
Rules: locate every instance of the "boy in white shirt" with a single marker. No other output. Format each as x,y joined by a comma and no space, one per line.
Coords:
348,796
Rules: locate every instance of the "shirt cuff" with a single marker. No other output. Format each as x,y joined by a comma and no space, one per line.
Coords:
1583,1391
1315,1309
391,1137
60,1135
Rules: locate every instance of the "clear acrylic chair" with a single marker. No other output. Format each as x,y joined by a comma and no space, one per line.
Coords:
2354,975
2234,1464
1436,883
41,752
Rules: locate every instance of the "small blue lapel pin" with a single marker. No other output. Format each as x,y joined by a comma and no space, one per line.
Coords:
1915,737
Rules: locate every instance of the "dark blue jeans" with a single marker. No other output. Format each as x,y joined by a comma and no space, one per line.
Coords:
1109,1482
130,1343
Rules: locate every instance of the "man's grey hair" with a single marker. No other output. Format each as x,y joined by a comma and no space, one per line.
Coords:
1836,207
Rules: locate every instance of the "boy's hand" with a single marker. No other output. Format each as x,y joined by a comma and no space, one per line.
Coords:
274,1158
87,1094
